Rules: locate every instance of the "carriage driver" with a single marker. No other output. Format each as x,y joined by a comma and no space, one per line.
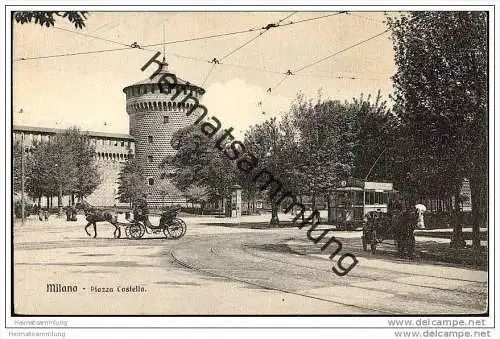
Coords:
141,211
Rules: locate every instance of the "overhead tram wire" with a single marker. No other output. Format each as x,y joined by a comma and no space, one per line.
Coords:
341,51
263,70
104,39
248,30
73,54
170,42
264,30
144,47
90,52
240,47
90,36
208,74
257,36
330,56
123,44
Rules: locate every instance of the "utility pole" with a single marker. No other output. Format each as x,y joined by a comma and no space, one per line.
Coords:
22,178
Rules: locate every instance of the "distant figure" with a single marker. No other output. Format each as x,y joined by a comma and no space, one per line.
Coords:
420,209
43,215
71,213
141,211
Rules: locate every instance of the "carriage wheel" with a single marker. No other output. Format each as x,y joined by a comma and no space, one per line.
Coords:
176,228
136,230
363,241
373,243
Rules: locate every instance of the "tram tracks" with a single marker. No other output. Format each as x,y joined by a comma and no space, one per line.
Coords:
211,272
245,249
463,294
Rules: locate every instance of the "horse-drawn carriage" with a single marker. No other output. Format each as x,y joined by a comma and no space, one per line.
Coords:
171,226
382,226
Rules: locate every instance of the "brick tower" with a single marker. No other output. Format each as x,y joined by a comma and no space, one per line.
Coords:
153,118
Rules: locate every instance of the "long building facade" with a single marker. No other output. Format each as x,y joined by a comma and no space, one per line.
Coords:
111,152
154,116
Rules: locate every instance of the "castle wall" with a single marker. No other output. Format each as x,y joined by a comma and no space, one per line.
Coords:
111,152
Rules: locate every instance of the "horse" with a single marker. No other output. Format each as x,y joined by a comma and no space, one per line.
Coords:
94,215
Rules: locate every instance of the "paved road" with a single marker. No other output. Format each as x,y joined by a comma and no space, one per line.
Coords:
226,270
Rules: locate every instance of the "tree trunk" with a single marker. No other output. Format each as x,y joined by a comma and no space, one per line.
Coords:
328,206
457,238
302,214
59,202
479,197
274,214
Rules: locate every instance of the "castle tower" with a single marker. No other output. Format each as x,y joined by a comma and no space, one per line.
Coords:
153,118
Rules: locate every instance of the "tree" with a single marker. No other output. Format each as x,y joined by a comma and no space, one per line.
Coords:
198,162
375,128
197,195
48,18
272,142
325,138
82,152
131,182
441,99
16,166
40,174
63,165
75,165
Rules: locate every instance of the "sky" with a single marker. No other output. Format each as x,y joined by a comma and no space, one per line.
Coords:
85,90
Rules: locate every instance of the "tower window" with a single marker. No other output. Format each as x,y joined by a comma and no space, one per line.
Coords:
150,158
151,181
150,139
165,119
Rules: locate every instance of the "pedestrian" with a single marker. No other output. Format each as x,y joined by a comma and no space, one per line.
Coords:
141,211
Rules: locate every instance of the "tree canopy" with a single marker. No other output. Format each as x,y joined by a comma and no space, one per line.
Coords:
48,19
131,182
441,99
63,165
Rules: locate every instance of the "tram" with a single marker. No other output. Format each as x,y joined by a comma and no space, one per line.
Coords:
356,198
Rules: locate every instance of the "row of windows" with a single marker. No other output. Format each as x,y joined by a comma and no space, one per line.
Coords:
160,106
140,90
356,198
113,156
111,142
376,198
93,140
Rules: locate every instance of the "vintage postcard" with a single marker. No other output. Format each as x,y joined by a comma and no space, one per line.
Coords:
285,161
